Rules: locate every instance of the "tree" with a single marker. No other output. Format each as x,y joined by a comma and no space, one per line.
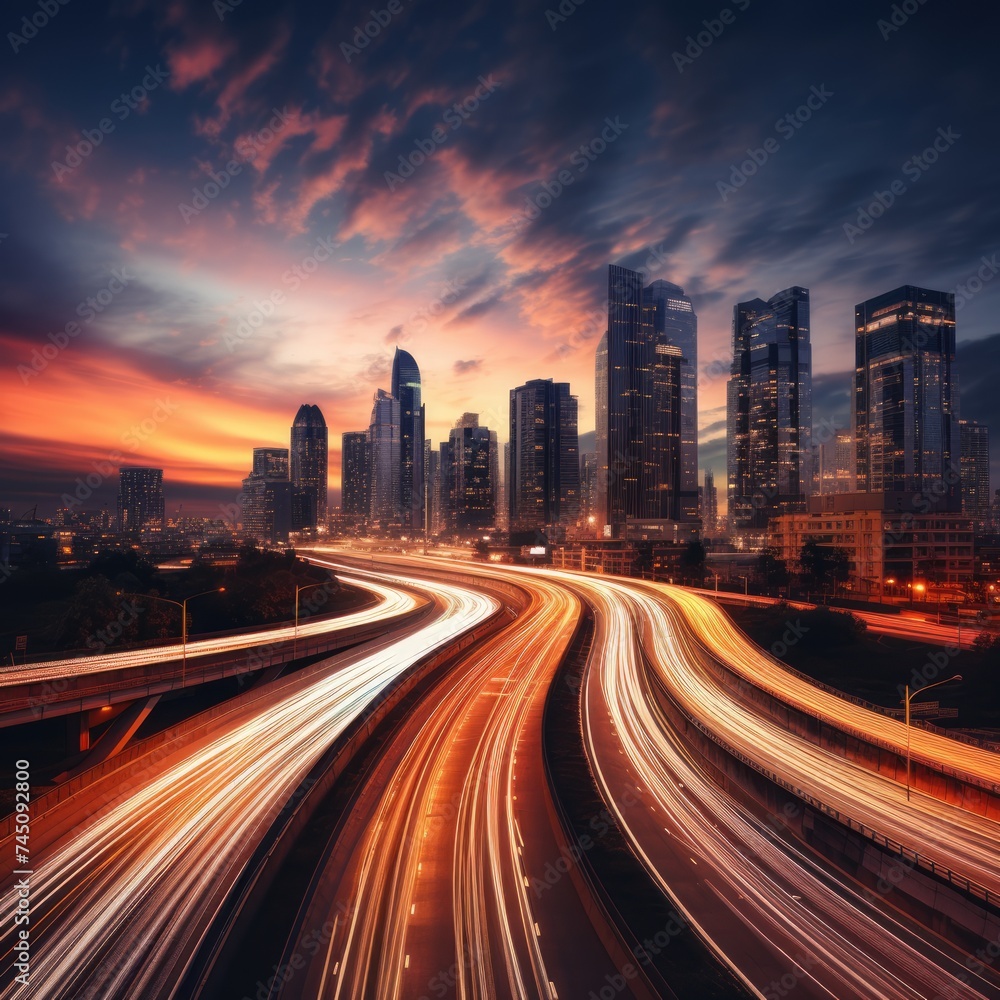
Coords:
822,564
693,562
772,570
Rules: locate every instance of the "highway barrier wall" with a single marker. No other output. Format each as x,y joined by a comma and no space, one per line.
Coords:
264,866
638,911
951,904
969,792
75,693
118,775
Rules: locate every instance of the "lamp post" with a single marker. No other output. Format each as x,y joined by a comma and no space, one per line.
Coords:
295,634
184,618
906,700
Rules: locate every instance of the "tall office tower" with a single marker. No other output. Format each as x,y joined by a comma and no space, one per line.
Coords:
710,505
355,499
469,462
769,409
140,498
906,398
601,496
588,487
271,463
406,388
432,487
309,464
836,465
630,399
385,465
675,323
543,471
975,471
663,439
268,507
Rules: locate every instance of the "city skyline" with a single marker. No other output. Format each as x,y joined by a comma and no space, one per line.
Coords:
477,282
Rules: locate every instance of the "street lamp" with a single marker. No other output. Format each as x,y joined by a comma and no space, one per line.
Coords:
184,618
298,590
906,700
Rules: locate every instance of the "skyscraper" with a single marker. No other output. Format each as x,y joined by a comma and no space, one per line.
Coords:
601,481
543,474
675,324
836,464
309,463
975,472
385,466
663,438
272,463
906,392
646,388
630,399
710,505
406,389
140,498
469,465
355,500
769,409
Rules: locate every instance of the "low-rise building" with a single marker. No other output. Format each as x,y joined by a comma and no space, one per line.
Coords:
893,540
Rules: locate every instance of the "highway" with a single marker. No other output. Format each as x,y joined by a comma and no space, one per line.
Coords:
908,624
123,893
765,908
440,885
389,603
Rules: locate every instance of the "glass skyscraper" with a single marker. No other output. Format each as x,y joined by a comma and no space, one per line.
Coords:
975,470
769,409
646,388
407,390
384,459
675,323
140,498
906,393
308,456
543,473
354,496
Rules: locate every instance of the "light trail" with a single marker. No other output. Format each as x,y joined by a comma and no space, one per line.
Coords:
426,897
783,903
121,902
391,602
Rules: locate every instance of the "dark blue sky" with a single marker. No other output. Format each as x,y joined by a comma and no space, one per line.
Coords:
589,140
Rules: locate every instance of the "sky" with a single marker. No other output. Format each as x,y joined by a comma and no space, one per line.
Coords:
212,212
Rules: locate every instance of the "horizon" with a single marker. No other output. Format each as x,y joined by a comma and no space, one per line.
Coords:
239,215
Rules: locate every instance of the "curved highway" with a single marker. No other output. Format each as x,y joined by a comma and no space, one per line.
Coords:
121,900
